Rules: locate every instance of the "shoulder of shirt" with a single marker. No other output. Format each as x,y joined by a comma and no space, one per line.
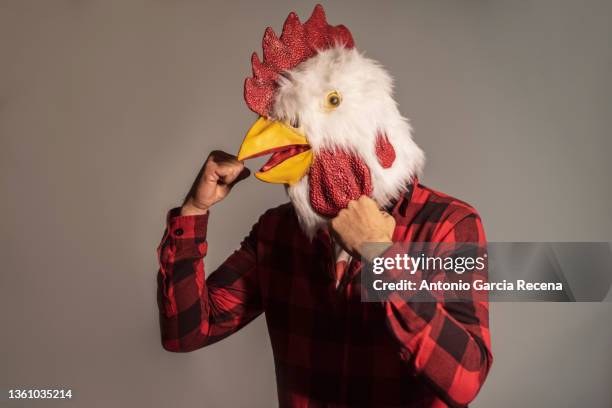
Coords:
448,207
281,212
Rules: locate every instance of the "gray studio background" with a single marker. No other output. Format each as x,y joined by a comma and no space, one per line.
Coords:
108,108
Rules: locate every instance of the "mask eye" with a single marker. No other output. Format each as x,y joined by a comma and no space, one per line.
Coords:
333,100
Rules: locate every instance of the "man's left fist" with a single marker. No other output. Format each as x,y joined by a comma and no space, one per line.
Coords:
362,222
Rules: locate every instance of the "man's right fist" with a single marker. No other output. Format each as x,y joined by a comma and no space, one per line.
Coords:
220,173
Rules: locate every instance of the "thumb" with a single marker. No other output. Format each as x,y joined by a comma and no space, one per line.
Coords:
244,173
386,215
389,219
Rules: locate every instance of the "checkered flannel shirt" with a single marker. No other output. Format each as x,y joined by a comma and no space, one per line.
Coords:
330,348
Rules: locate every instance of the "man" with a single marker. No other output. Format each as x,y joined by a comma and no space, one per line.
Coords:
348,161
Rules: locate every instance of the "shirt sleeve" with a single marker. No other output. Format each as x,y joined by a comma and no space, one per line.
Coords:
447,343
195,311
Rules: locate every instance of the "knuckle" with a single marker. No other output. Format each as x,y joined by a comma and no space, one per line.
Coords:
210,167
211,163
222,157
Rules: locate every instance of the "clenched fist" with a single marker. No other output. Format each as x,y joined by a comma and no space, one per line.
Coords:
362,222
220,173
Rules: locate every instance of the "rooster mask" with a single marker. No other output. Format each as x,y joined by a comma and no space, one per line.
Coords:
329,121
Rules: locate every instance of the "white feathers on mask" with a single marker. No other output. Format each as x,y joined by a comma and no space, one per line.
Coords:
367,108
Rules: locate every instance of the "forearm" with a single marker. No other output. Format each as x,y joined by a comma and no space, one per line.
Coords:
196,311
182,292
453,357
446,339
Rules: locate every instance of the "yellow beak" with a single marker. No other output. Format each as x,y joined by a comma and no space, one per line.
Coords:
291,157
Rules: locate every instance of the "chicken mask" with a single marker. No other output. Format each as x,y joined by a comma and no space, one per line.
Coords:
329,121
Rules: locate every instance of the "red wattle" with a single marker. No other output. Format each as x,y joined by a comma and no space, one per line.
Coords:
337,177
384,151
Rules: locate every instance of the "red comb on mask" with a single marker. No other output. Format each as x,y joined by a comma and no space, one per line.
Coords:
297,43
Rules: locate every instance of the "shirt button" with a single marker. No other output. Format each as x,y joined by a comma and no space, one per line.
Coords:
178,232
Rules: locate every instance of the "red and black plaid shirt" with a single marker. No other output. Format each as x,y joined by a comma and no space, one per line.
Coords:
330,349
